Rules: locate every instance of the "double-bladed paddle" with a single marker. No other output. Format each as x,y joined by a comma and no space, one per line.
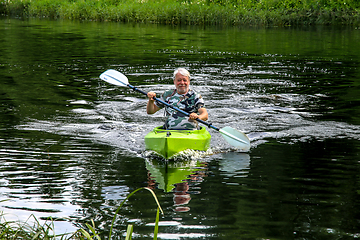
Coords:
231,135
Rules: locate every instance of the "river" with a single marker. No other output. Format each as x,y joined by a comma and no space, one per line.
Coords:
72,146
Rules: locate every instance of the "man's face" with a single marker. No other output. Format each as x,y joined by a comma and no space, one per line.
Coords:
181,83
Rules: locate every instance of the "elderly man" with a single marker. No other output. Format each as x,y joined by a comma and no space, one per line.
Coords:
181,97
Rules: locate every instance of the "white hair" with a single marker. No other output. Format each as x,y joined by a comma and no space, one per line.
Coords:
182,71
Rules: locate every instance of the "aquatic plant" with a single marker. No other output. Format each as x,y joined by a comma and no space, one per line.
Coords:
194,12
36,230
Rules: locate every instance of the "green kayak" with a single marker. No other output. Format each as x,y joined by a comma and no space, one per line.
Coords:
167,143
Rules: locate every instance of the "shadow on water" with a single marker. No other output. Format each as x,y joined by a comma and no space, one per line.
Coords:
72,146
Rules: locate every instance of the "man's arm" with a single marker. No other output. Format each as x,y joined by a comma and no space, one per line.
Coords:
151,108
203,115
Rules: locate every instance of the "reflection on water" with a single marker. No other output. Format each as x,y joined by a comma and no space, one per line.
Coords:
72,146
235,164
181,197
175,177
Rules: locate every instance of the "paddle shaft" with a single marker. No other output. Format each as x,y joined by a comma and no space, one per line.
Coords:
173,107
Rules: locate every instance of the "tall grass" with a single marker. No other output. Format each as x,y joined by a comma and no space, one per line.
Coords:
199,12
36,230
26,230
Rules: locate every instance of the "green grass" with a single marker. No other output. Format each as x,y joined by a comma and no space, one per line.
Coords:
35,230
25,230
192,12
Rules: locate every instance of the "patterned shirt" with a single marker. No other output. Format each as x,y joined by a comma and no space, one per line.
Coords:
190,102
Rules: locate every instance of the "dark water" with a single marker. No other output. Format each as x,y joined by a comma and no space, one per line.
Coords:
72,146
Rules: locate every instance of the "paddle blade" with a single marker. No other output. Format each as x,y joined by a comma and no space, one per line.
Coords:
236,138
114,77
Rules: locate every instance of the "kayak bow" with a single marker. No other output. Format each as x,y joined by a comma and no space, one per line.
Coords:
167,143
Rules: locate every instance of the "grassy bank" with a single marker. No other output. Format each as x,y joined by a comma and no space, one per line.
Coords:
32,229
192,12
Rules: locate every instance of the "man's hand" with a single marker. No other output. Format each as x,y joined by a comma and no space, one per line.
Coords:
203,115
193,116
151,96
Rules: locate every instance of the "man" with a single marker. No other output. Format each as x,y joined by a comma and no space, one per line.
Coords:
181,97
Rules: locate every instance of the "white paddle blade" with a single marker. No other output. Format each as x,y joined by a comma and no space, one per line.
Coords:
114,77
236,138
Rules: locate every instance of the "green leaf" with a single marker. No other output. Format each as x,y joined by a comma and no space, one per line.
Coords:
129,232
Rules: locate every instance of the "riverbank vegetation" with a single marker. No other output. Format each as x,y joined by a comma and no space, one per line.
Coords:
33,229
192,12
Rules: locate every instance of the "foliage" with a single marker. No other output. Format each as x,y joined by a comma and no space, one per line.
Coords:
25,230
210,12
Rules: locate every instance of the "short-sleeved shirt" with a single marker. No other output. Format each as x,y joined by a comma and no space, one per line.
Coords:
190,102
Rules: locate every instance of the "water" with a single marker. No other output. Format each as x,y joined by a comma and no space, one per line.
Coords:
72,146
